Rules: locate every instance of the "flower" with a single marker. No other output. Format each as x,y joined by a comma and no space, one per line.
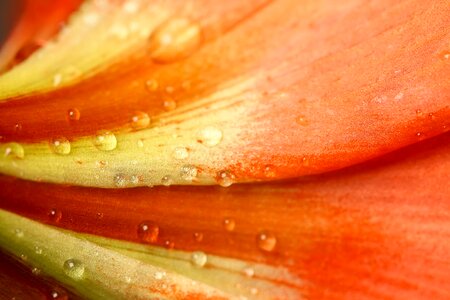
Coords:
186,96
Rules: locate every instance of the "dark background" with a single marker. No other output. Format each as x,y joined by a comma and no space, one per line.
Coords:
9,12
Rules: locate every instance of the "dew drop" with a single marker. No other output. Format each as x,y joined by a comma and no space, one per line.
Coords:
60,146
151,85
18,232
73,114
120,180
225,178
174,39
17,127
167,180
210,136
445,55
254,291
159,275
188,172
105,141
140,143
38,250
55,215
249,272
54,295
169,104
266,241
74,268
36,271
229,224
419,113
169,244
14,150
180,153
301,120
140,120
148,232
199,258
198,236
57,79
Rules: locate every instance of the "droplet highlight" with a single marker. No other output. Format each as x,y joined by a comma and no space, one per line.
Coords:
174,39
199,259
301,120
225,178
210,136
55,215
140,120
74,268
105,141
148,232
229,224
266,241
151,85
60,145
73,114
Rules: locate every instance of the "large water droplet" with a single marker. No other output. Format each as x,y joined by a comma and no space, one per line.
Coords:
148,232
73,114
174,39
60,146
14,150
105,141
74,268
225,178
55,215
229,224
199,258
140,120
209,136
180,153
188,172
266,241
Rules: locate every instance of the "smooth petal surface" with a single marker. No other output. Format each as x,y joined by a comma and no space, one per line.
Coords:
378,230
360,79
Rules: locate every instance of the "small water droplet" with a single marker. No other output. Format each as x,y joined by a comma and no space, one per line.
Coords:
431,116
140,120
180,153
301,120
60,145
148,232
36,271
74,268
159,275
134,179
17,127
229,224
445,55
249,272
269,171
105,141
54,295
225,178
169,244
38,250
73,114
23,257
120,180
420,135
188,172
167,180
399,96
199,258
14,150
254,291
198,236
266,241
151,85
18,232
127,279
210,136
55,215
140,143
169,104
174,39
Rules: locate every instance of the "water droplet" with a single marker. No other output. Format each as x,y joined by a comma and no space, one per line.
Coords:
210,136
254,291
167,180
159,275
74,268
140,120
57,79
432,116
301,120
269,171
229,224
169,244
199,258
180,153
266,241
198,236
151,85
105,141
14,150
169,104
148,232
249,272
36,271
54,295
399,96
419,113
17,127
225,178
60,146
18,232
188,172
38,250
140,143
127,279
174,39
120,180
445,55
73,114
55,215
